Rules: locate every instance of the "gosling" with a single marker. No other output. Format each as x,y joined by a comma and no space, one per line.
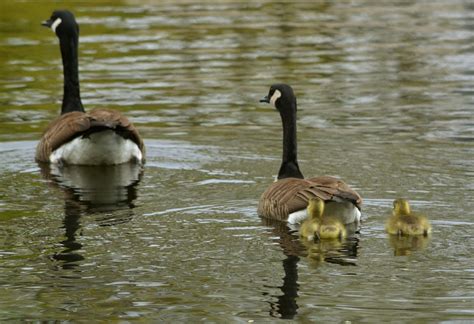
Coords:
404,222
317,227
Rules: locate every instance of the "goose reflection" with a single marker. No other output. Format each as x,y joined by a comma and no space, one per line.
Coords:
107,192
406,245
286,306
342,252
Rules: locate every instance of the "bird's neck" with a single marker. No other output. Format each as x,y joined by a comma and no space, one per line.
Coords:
71,96
289,165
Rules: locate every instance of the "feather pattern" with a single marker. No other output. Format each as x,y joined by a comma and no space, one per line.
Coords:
292,194
68,126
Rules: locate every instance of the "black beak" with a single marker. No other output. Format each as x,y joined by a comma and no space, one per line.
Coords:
265,99
47,23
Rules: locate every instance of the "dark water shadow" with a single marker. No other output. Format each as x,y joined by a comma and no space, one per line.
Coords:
104,192
286,306
338,252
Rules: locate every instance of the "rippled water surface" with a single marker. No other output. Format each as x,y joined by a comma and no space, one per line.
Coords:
386,99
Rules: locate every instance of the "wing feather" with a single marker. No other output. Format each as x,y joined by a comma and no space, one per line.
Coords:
66,127
291,194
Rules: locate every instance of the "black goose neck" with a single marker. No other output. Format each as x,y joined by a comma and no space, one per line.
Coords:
69,54
289,165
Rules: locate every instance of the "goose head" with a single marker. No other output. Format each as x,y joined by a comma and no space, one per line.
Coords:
282,97
62,23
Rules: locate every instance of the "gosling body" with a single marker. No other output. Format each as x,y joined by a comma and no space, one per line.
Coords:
404,222
316,226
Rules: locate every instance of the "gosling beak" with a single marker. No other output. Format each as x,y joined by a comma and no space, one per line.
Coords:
265,99
47,23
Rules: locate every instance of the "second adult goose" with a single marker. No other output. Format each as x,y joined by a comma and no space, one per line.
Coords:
99,137
287,198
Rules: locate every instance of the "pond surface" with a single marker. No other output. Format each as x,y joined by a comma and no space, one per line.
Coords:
386,101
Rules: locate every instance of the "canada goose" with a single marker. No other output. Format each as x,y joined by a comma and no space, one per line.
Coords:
99,137
404,222
316,226
287,198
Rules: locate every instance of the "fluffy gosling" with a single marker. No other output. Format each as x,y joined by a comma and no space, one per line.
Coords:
404,222
318,227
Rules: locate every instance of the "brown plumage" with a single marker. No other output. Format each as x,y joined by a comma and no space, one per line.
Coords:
288,195
65,128
291,192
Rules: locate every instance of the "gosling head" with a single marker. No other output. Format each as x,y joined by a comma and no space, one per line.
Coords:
281,96
401,207
315,208
62,23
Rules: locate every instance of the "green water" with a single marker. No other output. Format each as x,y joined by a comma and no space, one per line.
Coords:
386,99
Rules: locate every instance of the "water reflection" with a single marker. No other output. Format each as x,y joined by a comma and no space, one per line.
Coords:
331,251
108,191
405,245
341,252
387,91
286,306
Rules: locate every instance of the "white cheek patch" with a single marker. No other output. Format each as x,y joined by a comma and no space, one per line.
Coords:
275,96
56,24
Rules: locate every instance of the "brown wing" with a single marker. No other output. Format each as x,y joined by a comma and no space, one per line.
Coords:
61,130
68,126
336,189
115,120
289,195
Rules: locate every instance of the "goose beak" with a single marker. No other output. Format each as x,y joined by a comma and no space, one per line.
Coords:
47,23
265,99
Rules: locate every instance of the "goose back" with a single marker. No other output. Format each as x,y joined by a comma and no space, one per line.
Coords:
289,195
68,126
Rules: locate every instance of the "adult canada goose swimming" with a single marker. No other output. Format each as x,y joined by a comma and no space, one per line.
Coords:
404,222
316,226
287,198
98,137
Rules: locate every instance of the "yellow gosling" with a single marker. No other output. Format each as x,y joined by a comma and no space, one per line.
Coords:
404,222
318,227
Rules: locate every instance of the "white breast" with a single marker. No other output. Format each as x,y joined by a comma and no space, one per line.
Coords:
99,148
297,217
